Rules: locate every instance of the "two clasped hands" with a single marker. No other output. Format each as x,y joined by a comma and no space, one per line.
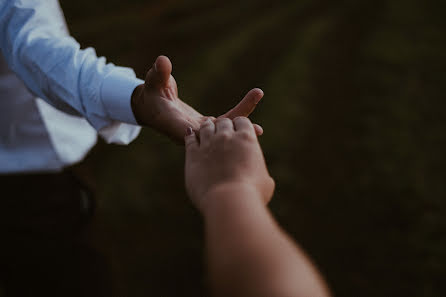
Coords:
248,254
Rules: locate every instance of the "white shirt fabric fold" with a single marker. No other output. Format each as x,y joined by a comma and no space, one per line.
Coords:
54,96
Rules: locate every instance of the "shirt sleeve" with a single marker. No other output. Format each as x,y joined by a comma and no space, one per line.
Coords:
37,47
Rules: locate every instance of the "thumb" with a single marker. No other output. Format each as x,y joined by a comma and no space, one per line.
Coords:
159,74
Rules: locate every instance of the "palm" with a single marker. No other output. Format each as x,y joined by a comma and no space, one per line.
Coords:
163,110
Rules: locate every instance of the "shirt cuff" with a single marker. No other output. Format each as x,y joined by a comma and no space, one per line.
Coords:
116,92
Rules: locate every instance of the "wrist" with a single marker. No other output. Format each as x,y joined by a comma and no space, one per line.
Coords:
227,196
136,99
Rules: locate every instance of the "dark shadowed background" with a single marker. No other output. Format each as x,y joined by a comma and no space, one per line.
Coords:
355,135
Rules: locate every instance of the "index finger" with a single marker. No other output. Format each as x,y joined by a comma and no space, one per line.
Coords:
246,106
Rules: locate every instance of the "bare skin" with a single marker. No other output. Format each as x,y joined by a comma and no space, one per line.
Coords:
156,104
248,253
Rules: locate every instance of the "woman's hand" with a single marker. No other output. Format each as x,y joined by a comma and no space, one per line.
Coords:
226,157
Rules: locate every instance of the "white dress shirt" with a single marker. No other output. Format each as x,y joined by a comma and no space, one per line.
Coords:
55,97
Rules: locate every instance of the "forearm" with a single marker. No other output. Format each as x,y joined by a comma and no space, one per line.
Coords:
248,253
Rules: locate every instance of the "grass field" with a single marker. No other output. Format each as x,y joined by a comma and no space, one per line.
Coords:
355,135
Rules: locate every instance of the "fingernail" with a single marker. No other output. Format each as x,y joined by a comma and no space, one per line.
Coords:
189,131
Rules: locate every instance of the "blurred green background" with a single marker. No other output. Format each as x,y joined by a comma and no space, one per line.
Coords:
355,135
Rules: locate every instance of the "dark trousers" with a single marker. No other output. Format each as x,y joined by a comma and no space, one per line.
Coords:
44,250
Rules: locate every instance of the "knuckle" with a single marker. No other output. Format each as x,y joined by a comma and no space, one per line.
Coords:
206,123
209,118
223,136
223,120
246,135
205,127
242,119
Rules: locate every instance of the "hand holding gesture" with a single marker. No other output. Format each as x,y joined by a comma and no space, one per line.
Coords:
156,104
227,155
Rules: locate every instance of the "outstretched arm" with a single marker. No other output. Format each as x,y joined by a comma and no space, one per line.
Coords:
248,253
36,45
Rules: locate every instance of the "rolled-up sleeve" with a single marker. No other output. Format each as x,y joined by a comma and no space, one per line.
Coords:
37,47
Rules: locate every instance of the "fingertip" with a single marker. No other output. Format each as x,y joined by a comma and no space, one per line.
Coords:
258,94
163,64
258,129
163,57
258,91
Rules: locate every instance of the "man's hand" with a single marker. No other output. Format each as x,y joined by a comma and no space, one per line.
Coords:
156,104
227,156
